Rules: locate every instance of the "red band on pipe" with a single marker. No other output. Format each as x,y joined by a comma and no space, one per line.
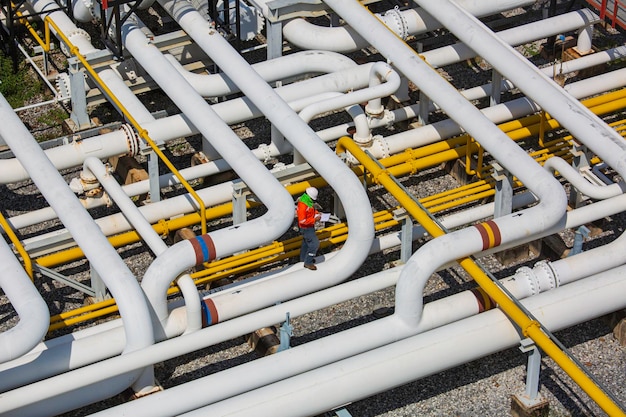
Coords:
197,250
484,301
212,311
497,238
483,234
210,245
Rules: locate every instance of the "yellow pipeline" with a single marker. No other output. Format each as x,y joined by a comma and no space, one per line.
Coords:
28,264
445,150
141,131
222,268
44,43
530,328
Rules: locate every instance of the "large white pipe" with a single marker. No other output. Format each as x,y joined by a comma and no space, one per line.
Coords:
278,69
87,346
381,148
579,19
233,111
523,284
304,139
425,354
456,245
93,170
223,242
102,256
27,302
306,35
582,124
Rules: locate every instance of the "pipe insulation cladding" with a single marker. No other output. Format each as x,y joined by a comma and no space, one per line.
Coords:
152,232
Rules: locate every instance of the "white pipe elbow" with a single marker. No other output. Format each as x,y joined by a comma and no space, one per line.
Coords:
581,184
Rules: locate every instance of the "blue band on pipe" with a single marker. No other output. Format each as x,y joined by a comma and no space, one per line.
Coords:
205,250
206,312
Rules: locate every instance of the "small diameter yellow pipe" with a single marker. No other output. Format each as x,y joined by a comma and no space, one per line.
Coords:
141,131
28,263
530,328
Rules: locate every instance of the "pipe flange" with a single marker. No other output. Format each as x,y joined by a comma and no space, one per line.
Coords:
78,32
383,146
397,22
529,276
545,275
132,140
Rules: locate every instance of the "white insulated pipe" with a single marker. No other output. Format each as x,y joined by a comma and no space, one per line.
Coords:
579,19
425,354
462,243
226,241
580,183
306,35
382,147
546,276
30,307
583,125
102,256
380,72
104,259
278,69
304,139
27,370
94,169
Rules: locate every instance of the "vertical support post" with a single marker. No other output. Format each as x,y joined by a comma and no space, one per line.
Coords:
496,88
274,39
277,138
98,285
580,160
423,109
239,203
504,191
533,368
79,115
579,237
406,234
153,176
286,331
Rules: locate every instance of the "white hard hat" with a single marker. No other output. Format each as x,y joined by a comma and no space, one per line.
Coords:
312,192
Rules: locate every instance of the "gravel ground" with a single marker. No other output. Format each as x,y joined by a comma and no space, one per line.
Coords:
480,388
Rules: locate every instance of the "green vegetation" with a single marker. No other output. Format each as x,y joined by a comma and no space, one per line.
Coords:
53,117
17,87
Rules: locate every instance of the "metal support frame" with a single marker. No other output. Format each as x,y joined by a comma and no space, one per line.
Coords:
579,162
504,191
78,115
274,39
8,38
533,369
496,88
112,21
424,107
406,234
153,177
285,332
222,21
240,194
65,280
98,285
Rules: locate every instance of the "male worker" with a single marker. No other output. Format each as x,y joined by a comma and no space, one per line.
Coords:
307,216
